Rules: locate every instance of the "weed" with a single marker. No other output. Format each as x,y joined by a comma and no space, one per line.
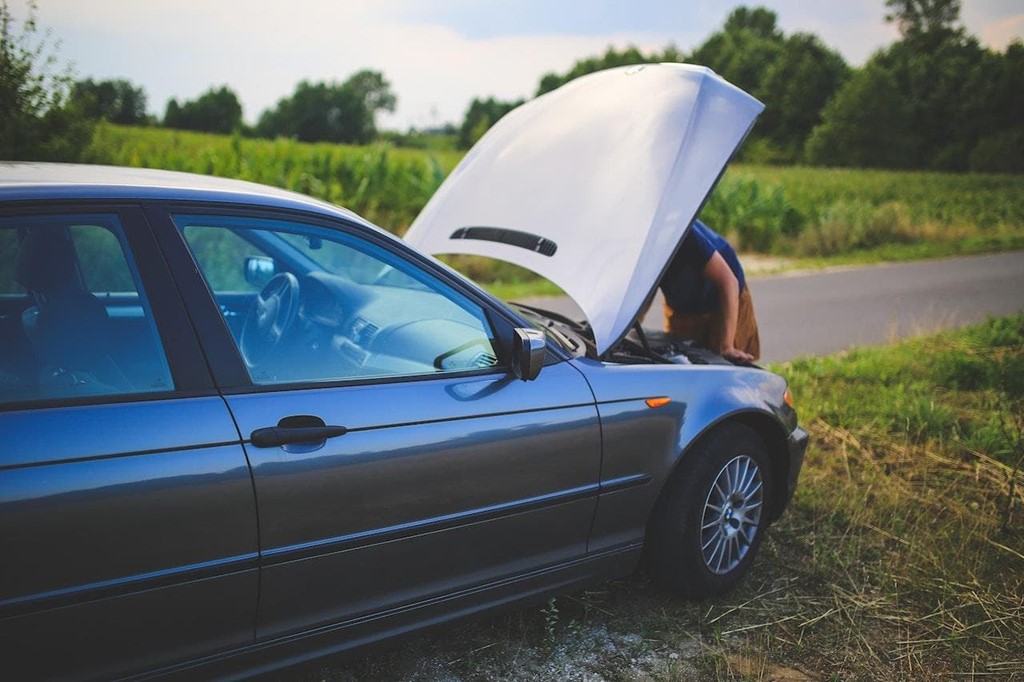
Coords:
550,612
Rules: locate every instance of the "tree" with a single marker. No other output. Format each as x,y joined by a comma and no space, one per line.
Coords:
922,16
1006,81
215,111
759,21
867,123
744,49
795,88
481,115
117,101
610,59
944,78
934,99
1000,147
331,112
1001,152
371,88
38,119
795,77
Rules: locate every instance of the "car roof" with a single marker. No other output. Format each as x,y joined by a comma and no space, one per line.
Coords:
29,181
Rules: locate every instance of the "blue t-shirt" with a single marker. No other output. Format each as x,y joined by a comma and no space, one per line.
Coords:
684,285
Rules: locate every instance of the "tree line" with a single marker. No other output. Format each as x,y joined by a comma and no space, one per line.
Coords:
45,114
935,98
315,112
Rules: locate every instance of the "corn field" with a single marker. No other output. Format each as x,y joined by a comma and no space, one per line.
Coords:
798,211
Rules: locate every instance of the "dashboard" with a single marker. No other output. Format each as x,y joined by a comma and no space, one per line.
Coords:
348,330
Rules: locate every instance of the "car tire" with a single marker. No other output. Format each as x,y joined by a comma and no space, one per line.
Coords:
712,515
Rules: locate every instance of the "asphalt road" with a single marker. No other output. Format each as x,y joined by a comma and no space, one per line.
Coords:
824,312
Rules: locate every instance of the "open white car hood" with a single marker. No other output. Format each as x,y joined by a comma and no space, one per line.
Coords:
593,185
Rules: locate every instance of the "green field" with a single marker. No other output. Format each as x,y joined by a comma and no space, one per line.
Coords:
814,216
384,184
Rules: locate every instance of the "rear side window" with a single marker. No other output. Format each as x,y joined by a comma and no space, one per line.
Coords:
74,320
104,267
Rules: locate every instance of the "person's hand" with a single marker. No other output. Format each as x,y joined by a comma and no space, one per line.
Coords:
737,356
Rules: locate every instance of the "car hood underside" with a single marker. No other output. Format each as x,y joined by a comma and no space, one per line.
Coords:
593,185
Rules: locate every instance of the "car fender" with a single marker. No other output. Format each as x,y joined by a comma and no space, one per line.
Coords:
644,442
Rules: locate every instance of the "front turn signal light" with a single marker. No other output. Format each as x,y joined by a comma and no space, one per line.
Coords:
788,397
657,402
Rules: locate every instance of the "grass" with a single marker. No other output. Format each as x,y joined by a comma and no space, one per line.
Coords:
901,556
909,516
813,217
899,253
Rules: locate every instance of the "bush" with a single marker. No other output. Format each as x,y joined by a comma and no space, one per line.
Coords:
755,217
38,120
847,225
999,153
998,333
763,151
836,230
965,371
888,224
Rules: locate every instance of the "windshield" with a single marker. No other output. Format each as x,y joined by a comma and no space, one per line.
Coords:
359,267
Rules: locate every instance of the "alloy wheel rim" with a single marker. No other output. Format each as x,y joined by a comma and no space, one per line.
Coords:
732,514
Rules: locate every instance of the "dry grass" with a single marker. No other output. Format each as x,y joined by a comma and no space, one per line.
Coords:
908,575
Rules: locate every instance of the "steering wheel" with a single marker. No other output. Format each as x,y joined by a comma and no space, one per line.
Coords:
272,314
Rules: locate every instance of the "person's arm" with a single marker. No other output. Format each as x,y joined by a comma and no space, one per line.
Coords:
719,272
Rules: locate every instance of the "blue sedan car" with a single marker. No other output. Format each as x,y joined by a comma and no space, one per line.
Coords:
243,428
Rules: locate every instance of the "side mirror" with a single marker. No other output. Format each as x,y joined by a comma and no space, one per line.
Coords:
258,270
529,348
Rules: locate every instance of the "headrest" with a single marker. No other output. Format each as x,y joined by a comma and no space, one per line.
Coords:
46,260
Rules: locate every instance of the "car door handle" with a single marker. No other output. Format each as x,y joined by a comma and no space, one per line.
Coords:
276,436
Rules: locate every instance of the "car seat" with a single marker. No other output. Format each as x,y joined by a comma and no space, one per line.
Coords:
68,328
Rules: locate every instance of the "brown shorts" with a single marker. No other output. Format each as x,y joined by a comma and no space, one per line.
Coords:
706,330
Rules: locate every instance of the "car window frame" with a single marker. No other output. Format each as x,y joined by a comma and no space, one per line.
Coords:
226,361
182,352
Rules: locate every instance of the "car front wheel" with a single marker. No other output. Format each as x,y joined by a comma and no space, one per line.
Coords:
712,515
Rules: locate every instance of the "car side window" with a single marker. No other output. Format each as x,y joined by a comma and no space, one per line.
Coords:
74,320
328,306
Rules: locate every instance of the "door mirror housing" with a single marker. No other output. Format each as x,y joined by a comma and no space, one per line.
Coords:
259,270
529,349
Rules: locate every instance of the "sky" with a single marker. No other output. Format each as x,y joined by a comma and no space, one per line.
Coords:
437,54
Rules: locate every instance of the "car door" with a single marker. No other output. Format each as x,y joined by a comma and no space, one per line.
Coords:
429,467
127,516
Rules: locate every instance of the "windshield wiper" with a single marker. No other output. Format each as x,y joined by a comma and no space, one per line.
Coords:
565,340
547,324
